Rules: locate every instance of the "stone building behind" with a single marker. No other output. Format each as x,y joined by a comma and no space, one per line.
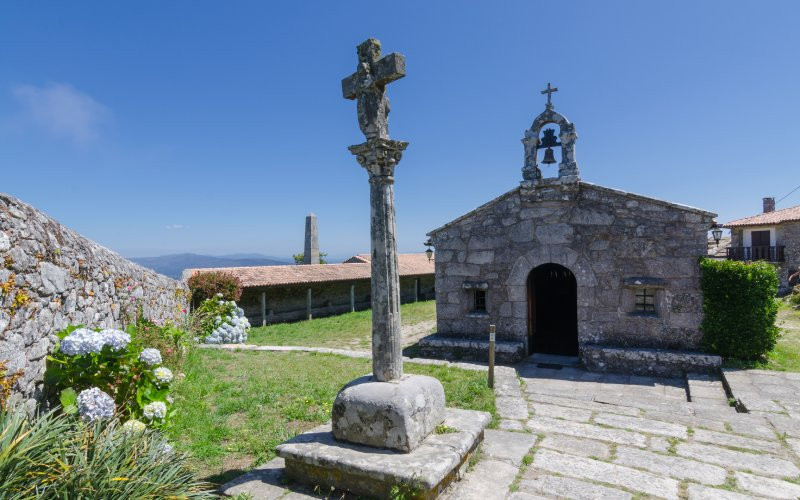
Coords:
773,236
566,267
276,294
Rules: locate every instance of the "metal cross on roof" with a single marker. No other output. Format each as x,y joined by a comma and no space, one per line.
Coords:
549,91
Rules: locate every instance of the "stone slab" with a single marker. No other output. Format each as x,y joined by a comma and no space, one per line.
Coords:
772,488
511,407
507,446
642,425
475,485
567,487
576,446
732,440
698,492
552,411
264,482
511,425
587,404
677,467
398,414
575,429
595,470
316,457
762,464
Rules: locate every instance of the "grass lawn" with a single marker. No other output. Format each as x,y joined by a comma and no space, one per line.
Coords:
345,331
234,408
786,355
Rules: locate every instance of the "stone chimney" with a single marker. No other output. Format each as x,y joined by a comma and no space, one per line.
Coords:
769,205
311,252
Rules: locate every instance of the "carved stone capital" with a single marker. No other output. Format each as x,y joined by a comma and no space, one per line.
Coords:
379,156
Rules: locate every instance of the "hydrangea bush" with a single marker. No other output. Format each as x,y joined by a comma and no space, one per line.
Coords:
222,321
102,373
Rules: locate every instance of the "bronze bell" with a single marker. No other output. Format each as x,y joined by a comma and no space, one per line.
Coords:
549,157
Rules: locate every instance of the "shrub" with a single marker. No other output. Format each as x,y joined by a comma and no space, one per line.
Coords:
222,322
99,373
6,383
56,456
794,298
739,308
208,284
173,342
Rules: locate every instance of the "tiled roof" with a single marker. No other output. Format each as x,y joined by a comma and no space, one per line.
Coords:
767,219
410,264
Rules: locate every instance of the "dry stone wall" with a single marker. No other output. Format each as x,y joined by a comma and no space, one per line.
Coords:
53,277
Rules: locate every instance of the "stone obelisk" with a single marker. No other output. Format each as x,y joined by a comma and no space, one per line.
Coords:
311,250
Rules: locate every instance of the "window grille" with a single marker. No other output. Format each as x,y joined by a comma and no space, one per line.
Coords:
645,300
480,300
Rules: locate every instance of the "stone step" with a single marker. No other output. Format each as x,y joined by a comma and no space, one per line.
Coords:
447,347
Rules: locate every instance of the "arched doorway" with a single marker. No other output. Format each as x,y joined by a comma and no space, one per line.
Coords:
552,310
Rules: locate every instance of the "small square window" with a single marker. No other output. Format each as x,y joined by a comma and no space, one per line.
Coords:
480,301
645,300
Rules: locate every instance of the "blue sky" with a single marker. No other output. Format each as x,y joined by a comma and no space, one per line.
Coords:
214,127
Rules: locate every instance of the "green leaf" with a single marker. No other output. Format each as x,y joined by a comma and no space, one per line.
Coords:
68,397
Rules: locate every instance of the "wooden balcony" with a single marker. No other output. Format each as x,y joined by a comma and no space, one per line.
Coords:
772,254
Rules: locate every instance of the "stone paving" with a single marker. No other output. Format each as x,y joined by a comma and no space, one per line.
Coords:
569,433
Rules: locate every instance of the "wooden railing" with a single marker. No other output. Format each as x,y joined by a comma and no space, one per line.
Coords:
772,254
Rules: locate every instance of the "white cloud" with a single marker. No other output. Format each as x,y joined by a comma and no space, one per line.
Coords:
174,226
62,110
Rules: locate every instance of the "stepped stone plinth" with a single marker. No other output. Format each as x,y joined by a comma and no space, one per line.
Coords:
317,457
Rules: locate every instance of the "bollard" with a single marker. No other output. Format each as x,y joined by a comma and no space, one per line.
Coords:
491,356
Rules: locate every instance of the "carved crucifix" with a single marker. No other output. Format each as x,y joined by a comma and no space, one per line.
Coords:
549,91
368,85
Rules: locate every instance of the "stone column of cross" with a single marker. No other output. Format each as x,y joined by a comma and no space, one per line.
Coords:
379,156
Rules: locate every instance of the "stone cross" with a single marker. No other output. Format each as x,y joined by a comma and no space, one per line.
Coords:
379,156
368,85
549,91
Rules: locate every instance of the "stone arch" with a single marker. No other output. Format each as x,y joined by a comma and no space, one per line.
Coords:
580,266
568,168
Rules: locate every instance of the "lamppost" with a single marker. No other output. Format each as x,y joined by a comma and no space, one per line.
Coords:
716,233
429,251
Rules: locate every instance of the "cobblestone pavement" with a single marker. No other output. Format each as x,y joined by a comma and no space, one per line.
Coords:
616,436
568,433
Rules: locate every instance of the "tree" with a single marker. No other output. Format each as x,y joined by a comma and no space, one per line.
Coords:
298,257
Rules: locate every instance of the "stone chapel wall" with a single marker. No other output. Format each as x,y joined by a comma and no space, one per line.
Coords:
52,277
604,236
788,235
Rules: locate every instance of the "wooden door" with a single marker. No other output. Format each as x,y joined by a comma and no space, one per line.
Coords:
759,241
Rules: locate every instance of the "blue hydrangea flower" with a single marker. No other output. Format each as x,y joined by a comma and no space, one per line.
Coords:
150,356
94,404
231,328
156,409
115,339
163,375
82,341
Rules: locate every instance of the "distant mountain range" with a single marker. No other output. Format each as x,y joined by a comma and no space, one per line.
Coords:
173,265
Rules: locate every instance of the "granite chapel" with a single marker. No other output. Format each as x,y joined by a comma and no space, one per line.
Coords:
566,267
